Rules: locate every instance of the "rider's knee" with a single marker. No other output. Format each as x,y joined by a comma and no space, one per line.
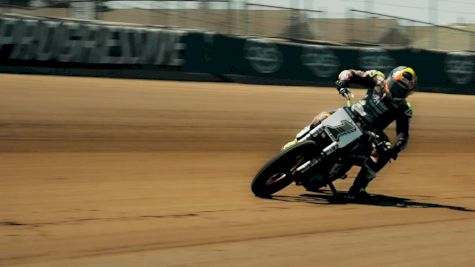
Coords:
320,117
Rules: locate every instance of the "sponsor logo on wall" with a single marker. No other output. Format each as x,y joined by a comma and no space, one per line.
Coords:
376,59
264,56
460,67
320,60
66,41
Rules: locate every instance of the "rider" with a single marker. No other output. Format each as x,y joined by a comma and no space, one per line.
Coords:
384,102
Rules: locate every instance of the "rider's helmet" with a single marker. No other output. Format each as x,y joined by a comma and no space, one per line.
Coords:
401,82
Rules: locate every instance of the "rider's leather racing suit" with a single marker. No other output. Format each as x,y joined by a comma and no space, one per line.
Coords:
379,110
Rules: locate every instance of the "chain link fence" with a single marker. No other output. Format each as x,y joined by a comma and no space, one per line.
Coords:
246,18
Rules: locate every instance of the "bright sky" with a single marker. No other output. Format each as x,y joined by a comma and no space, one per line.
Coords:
438,11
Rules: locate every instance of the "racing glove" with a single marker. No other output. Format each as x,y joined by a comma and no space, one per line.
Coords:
342,87
341,84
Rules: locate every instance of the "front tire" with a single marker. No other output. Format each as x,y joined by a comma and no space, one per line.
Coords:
279,172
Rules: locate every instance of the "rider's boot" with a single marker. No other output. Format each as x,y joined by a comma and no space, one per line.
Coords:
358,189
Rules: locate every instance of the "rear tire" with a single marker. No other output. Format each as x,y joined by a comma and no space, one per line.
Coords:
279,172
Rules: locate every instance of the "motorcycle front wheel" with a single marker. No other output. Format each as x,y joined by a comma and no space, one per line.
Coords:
279,172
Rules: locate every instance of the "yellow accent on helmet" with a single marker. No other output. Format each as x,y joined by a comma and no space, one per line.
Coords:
411,71
400,77
401,81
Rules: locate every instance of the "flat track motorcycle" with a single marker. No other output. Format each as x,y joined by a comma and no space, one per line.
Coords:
321,153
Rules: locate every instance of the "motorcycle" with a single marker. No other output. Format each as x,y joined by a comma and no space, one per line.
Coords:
321,153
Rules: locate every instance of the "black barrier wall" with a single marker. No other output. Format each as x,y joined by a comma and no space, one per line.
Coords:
41,45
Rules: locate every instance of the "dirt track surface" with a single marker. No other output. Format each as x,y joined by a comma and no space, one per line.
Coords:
109,172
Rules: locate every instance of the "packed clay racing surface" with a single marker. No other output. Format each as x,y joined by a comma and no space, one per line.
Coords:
114,172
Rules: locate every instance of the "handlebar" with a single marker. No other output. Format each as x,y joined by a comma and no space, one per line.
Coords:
346,93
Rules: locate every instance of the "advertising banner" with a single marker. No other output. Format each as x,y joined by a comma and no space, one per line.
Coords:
62,45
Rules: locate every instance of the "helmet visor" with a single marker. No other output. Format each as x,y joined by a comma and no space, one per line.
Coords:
397,90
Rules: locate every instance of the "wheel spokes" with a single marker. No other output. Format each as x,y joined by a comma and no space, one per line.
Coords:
288,171
275,178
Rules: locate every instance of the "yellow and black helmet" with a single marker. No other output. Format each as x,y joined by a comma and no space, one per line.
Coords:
401,82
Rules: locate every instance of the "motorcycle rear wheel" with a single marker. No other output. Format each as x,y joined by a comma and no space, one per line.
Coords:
279,172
